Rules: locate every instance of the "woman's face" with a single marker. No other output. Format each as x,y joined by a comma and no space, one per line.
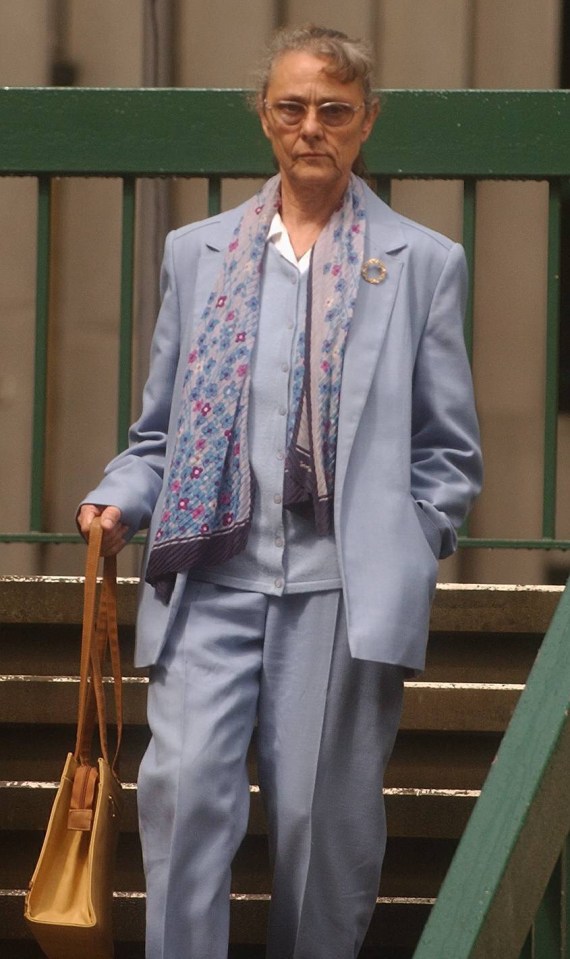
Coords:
311,153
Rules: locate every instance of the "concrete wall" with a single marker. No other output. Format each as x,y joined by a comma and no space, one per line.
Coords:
24,61
432,44
511,52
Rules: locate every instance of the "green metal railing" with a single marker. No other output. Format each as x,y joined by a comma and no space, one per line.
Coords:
512,863
463,135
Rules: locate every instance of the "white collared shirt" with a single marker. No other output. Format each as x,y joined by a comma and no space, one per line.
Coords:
279,236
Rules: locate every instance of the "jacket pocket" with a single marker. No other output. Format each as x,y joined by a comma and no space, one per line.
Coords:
429,529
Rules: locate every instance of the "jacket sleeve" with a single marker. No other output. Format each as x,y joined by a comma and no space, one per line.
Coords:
446,466
133,479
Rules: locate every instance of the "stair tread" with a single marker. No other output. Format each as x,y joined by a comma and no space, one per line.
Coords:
457,606
248,913
484,640
480,707
437,813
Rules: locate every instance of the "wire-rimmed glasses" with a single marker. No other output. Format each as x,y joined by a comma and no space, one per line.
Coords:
334,113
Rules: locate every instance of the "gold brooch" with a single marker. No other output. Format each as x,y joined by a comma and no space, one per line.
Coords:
374,271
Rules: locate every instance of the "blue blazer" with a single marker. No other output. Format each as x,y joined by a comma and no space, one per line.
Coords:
408,458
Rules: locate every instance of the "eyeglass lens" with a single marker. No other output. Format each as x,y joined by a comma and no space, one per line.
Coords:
332,114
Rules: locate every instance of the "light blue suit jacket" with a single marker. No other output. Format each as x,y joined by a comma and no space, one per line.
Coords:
408,458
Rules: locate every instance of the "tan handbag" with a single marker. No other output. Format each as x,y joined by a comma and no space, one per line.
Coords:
69,902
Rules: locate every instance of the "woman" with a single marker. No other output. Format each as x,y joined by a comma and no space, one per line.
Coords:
307,447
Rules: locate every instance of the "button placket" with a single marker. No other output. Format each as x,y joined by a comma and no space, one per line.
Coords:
281,409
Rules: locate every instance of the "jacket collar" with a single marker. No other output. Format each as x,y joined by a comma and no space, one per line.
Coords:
383,227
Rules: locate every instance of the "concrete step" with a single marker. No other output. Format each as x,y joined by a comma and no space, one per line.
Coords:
483,643
397,922
412,867
457,607
425,813
421,760
435,706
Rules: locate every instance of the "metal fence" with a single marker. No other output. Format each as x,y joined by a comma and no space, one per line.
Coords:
461,135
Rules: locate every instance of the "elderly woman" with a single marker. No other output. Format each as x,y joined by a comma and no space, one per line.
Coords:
307,447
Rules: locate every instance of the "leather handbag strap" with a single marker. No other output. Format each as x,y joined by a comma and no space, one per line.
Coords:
107,637
99,632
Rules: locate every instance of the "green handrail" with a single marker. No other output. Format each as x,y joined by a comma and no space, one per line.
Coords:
424,133
518,830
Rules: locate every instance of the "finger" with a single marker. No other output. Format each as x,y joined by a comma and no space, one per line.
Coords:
85,517
110,518
114,541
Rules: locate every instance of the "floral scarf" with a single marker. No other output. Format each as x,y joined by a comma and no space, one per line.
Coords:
208,503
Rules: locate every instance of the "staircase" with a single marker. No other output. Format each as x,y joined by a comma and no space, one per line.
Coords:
483,644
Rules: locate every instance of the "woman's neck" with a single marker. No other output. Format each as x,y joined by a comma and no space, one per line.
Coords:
305,215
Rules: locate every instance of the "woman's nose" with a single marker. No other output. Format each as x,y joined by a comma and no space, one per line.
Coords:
311,125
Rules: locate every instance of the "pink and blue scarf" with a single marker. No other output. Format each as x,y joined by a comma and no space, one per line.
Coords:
208,502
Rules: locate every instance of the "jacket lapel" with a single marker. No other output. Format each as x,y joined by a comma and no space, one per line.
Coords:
211,259
374,305
203,272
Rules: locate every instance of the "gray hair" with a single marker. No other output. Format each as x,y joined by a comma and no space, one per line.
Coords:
349,59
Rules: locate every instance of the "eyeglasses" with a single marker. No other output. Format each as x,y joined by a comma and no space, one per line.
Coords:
292,112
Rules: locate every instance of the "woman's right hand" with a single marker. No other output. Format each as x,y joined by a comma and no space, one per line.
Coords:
113,530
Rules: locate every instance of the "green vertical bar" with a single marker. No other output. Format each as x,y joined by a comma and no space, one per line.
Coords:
214,195
41,353
551,393
126,313
469,224
468,237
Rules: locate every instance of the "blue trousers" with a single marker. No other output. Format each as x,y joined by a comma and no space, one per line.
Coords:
326,724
